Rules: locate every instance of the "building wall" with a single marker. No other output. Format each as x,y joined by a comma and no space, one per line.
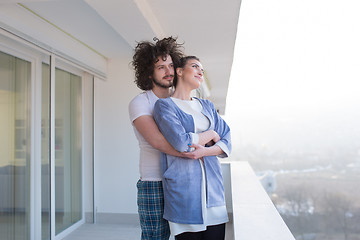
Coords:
88,150
116,148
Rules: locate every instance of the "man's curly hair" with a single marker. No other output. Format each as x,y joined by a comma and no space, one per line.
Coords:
146,55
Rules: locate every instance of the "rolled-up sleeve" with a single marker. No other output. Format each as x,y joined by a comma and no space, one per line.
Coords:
225,149
171,126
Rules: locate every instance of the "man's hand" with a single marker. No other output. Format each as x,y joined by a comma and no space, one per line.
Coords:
199,152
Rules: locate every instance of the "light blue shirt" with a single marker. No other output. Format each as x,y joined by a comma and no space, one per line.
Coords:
181,176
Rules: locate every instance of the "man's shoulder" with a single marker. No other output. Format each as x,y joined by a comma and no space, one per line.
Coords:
140,105
141,98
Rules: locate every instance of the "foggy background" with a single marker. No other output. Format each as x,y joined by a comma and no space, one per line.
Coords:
296,74
294,110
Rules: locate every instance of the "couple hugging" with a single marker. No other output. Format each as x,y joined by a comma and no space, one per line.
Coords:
180,190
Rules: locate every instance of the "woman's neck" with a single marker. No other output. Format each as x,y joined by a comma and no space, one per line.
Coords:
182,93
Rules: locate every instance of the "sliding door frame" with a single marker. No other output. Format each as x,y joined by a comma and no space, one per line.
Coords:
23,49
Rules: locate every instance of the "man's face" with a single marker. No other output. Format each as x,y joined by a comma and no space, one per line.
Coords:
163,72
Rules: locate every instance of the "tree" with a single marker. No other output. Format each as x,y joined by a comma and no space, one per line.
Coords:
339,208
301,206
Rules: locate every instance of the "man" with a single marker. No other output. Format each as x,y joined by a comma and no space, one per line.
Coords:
154,65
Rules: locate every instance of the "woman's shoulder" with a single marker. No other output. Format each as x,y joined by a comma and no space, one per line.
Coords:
162,103
168,99
205,102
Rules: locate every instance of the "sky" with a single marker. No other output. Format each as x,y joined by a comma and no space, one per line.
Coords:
295,80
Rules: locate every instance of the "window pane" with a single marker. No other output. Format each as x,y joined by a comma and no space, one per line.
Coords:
15,76
68,146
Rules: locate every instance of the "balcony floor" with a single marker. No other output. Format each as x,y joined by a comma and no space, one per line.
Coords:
105,231
118,232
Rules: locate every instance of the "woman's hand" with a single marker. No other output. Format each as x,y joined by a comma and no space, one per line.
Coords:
216,137
201,151
205,138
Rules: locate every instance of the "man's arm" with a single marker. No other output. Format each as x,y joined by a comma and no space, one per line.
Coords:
149,130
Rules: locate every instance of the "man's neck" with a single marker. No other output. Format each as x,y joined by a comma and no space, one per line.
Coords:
161,92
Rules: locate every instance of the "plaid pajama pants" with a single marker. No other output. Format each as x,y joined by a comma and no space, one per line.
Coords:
151,209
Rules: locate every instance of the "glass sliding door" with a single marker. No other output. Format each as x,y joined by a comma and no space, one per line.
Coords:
45,152
68,149
41,147
15,79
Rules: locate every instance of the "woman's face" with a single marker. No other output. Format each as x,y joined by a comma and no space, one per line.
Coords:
192,74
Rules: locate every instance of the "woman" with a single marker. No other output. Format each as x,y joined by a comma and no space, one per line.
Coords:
193,189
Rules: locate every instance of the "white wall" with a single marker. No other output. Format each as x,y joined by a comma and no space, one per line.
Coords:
87,149
116,148
24,23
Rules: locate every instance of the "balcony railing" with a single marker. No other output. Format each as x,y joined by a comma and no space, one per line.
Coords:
254,216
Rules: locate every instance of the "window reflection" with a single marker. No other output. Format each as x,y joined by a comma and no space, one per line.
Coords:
15,75
68,201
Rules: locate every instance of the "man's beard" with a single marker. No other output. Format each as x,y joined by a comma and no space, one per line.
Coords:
160,84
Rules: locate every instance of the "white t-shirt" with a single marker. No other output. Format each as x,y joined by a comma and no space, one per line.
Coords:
149,164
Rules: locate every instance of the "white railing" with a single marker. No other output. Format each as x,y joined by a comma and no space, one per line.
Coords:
253,214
